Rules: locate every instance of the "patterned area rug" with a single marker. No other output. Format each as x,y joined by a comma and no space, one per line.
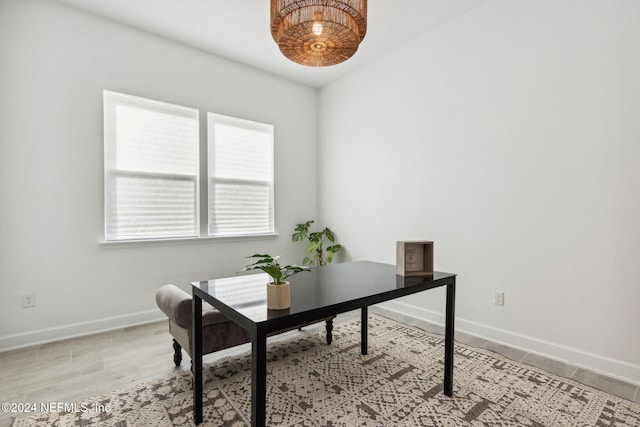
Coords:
399,383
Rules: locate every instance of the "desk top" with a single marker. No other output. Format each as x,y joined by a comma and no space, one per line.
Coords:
326,290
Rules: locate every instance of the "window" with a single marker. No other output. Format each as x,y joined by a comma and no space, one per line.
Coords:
152,172
151,168
240,176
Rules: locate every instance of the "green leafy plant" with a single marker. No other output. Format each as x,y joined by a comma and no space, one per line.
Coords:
317,254
272,267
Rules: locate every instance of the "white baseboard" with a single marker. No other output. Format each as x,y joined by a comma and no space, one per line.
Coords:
614,368
43,336
607,366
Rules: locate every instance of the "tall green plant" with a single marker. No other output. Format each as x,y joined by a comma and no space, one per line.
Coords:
317,253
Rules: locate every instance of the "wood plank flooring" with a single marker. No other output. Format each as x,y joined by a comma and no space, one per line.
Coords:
78,368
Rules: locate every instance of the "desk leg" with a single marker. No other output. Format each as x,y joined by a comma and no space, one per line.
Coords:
196,358
364,319
259,379
449,338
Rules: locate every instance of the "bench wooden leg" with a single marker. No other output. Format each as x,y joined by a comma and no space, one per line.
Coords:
329,327
177,353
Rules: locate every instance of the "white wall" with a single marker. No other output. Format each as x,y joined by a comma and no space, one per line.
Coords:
54,64
510,137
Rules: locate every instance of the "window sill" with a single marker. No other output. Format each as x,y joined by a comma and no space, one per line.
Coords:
114,244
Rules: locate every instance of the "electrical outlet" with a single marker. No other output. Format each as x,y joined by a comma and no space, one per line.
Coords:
498,298
28,300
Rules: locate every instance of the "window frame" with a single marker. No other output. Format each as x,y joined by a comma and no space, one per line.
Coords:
113,100
211,180
201,180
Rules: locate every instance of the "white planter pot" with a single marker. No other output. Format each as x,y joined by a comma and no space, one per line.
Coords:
278,296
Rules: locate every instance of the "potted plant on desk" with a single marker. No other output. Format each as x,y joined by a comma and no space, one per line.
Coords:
278,290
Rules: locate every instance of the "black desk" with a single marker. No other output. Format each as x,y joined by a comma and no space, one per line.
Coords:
315,295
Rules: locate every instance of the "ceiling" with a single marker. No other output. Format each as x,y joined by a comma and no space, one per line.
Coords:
239,29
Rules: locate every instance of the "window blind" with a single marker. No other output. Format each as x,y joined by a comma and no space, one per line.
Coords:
151,168
240,176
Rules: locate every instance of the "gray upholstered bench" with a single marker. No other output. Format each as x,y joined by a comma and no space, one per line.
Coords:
218,332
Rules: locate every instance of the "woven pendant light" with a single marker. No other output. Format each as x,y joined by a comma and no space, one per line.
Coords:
318,33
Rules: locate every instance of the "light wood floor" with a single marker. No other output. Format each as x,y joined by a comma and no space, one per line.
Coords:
75,369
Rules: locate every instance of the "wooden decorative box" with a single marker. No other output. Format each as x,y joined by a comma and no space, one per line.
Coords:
414,258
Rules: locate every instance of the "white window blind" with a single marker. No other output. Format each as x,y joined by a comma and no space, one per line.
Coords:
240,177
151,168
